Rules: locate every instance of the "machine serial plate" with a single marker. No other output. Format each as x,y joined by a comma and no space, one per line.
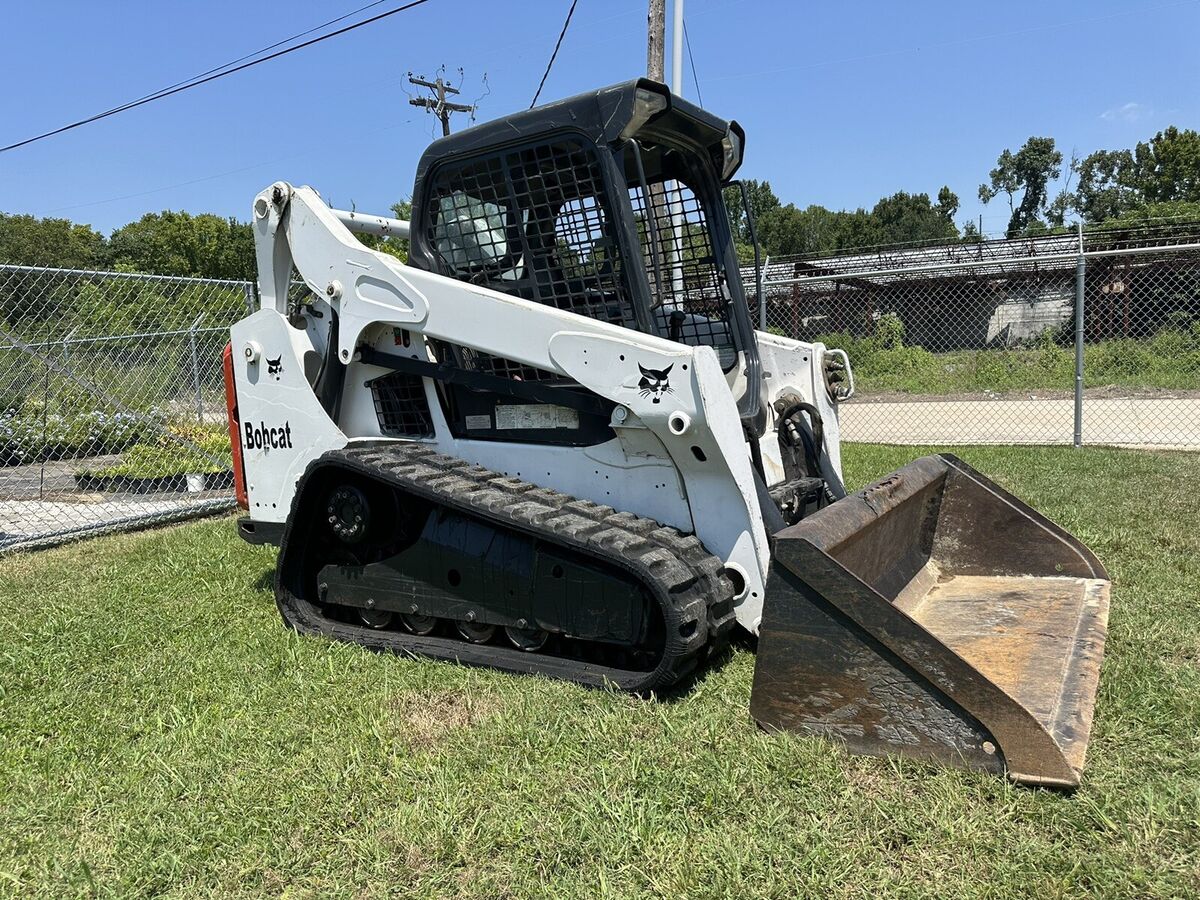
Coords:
536,416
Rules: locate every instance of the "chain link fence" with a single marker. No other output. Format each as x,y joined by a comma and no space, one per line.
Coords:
112,404
1091,337
112,409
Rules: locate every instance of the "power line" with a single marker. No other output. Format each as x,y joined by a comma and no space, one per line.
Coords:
258,52
178,184
213,76
213,177
696,81
554,55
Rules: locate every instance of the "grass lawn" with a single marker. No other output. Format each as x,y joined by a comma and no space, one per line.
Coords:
884,363
161,734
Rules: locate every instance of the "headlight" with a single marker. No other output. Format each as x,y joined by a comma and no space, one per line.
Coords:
646,105
731,147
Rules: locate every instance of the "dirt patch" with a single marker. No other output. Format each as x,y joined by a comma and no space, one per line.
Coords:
428,718
1188,655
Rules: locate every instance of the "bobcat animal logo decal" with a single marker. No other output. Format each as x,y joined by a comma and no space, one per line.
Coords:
655,382
275,366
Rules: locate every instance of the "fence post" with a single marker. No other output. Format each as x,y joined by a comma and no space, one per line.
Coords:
248,292
42,454
1080,282
196,369
762,296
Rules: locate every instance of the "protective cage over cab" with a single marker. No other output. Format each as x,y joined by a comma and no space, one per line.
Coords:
607,204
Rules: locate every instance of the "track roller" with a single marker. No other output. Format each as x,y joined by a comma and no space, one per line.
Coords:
528,639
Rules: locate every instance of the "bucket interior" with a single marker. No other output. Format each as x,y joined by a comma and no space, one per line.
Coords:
1008,592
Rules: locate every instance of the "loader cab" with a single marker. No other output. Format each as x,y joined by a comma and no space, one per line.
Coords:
608,205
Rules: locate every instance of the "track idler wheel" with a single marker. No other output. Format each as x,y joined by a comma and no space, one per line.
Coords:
348,513
375,618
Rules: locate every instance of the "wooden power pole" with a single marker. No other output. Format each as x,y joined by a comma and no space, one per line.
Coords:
656,30
659,207
437,104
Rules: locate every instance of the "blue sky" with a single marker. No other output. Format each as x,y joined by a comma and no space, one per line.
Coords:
842,102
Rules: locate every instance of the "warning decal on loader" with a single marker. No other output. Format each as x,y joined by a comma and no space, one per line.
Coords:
536,416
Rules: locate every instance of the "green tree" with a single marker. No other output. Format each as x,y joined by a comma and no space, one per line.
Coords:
905,218
178,243
1107,187
394,246
1116,183
1155,213
30,241
762,201
1028,172
789,230
1167,167
856,228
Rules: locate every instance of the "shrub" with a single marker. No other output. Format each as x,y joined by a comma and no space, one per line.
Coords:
33,434
170,454
1116,362
158,461
889,332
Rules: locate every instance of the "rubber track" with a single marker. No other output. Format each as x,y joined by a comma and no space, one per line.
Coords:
686,580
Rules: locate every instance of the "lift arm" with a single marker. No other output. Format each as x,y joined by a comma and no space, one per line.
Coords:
696,419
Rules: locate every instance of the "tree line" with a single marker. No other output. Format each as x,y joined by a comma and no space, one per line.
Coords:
162,243
1158,177
166,243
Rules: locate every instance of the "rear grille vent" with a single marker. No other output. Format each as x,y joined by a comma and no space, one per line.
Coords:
401,406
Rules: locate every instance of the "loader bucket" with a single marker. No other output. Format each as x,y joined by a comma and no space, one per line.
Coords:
935,615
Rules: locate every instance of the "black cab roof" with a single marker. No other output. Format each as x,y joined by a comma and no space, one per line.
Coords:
605,116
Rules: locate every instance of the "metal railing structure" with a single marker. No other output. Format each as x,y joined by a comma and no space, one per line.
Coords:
1091,337
112,405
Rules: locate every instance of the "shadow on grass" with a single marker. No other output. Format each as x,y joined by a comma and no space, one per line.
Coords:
266,582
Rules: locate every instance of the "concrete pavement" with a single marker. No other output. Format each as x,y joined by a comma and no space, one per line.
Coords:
1165,423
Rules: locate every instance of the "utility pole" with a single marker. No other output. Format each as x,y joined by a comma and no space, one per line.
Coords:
656,27
437,104
677,88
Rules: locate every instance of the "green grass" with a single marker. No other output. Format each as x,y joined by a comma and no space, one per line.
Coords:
884,363
162,734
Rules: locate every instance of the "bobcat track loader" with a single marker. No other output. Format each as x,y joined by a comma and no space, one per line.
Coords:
553,442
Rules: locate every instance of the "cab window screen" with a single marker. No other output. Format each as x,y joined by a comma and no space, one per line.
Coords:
470,234
533,222
692,291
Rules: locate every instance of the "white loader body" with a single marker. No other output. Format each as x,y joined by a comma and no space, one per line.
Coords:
679,456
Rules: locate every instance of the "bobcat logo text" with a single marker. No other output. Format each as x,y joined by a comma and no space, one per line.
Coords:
266,437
